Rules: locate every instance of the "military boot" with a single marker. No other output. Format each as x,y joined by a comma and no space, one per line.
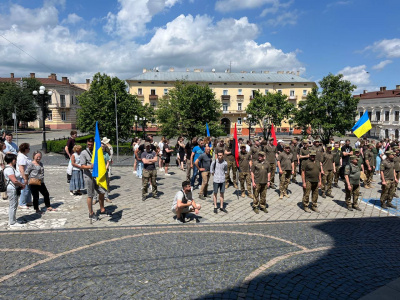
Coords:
235,185
391,205
256,210
314,208
243,194
306,209
383,205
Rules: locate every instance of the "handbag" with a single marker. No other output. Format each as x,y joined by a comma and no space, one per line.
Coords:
34,181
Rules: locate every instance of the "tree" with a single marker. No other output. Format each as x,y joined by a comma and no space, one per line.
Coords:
331,112
187,109
98,104
18,96
272,107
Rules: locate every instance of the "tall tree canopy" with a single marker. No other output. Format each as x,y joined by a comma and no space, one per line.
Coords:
270,108
98,104
187,109
331,112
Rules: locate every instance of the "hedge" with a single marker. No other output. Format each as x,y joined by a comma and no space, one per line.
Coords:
57,146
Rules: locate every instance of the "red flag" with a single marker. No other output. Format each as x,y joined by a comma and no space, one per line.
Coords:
273,134
235,147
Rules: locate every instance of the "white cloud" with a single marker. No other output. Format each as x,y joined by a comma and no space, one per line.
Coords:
286,18
336,4
275,7
382,64
230,5
386,48
72,19
357,76
131,19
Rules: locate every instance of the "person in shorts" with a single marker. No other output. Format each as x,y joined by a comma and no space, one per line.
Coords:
184,203
219,168
90,182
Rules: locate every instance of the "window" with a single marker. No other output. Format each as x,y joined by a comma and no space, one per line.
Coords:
72,99
50,116
50,99
386,116
378,115
266,92
63,116
239,106
304,92
239,121
280,91
370,115
62,100
165,91
239,91
225,107
225,92
361,113
139,91
291,93
396,115
153,92
153,104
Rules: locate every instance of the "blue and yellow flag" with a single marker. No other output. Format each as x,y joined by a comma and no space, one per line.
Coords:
362,126
99,165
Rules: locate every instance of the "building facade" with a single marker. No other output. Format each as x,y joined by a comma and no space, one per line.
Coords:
63,105
383,108
234,90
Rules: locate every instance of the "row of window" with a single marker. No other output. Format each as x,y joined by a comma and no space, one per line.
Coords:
63,116
225,83
224,92
74,100
386,116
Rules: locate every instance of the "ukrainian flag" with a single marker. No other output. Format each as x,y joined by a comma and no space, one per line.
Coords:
99,165
362,126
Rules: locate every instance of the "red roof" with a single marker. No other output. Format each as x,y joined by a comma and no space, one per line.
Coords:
379,94
44,81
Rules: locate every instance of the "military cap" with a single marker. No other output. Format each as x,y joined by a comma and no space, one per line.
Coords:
261,153
389,152
294,140
286,146
313,152
243,145
353,157
396,148
305,141
357,150
317,140
231,138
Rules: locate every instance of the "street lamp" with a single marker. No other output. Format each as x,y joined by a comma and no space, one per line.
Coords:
144,127
248,119
136,118
41,92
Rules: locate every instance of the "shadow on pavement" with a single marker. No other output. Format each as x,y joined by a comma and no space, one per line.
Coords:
362,257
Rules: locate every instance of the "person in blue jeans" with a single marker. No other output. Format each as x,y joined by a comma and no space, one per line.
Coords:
196,152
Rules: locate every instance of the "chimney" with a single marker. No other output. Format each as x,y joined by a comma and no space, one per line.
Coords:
32,75
65,79
87,81
266,72
298,73
171,69
11,75
213,70
397,86
197,70
383,88
53,76
365,91
187,70
287,72
144,70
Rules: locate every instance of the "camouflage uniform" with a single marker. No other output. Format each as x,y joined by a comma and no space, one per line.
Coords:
337,154
369,156
260,171
294,150
285,161
354,172
312,172
320,151
388,190
149,176
244,173
270,157
397,168
230,159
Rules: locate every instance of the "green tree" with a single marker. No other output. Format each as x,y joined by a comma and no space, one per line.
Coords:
271,108
18,96
187,109
332,112
98,104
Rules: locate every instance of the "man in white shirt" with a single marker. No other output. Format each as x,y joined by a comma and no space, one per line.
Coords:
184,203
11,147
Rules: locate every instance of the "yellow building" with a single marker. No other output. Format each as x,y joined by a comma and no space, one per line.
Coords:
234,90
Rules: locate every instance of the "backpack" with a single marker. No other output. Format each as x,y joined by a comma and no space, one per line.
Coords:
3,184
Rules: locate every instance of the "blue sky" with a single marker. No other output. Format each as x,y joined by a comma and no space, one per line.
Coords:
359,38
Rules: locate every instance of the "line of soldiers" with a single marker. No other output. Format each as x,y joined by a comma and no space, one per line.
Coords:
320,168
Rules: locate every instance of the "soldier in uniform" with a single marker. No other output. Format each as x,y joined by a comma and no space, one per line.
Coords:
311,176
304,153
319,150
244,170
337,159
389,180
260,177
294,150
396,160
369,166
149,158
271,153
219,147
230,159
255,149
328,169
286,169
352,174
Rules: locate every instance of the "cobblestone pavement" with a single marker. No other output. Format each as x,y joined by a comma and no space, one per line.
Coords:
128,208
336,259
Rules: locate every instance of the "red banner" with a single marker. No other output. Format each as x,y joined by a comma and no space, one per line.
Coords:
273,135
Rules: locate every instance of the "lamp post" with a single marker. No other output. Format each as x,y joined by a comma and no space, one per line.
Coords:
41,92
136,124
248,119
144,127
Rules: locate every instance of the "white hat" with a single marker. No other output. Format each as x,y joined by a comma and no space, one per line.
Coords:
280,141
105,140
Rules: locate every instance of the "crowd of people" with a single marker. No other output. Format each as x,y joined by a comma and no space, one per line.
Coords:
258,167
